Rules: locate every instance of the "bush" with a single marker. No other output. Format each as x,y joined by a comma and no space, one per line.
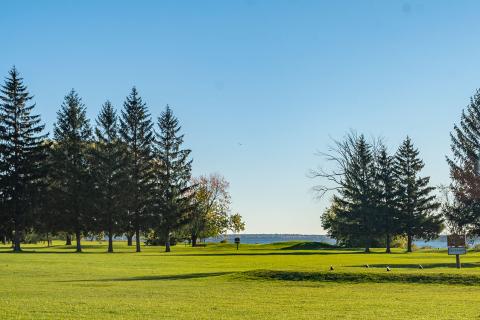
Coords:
32,238
153,239
399,242
224,241
426,248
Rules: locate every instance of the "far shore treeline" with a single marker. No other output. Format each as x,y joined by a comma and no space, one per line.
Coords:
125,175
380,198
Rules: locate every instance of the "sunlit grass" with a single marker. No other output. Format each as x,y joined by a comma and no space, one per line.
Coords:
219,282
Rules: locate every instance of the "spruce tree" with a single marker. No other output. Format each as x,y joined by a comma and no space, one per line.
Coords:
464,214
107,164
70,167
22,155
416,201
137,136
387,195
353,217
174,195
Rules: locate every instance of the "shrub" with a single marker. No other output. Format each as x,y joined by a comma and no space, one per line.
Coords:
426,247
32,238
399,242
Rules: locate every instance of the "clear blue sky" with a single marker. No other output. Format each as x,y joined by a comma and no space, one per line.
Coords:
281,78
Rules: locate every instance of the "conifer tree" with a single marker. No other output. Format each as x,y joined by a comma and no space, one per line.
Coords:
353,217
416,203
22,155
107,163
70,166
387,196
464,214
137,136
174,194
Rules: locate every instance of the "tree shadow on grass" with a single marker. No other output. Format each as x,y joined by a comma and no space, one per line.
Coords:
157,278
425,266
310,246
362,277
71,251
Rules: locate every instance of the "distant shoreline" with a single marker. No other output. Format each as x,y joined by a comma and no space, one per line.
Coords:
267,238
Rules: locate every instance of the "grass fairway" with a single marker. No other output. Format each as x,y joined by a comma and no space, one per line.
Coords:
278,281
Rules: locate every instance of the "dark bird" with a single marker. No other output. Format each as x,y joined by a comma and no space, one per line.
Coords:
388,269
332,268
367,266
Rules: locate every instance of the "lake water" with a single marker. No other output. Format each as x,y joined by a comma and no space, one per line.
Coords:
441,242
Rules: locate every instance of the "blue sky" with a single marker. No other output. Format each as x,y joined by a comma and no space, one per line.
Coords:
259,86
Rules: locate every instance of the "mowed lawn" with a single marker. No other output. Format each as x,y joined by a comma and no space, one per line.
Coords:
279,281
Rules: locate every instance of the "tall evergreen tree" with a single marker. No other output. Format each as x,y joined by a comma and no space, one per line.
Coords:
353,217
464,212
107,163
415,199
137,135
70,170
173,193
387,195
22,159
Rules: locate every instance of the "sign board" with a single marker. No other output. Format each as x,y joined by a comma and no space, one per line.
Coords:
457,250
456,240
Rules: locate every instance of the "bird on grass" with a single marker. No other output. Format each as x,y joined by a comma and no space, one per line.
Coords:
388,269
367,266
332,268
420,266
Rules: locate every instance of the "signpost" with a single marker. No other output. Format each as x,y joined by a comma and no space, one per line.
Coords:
237,241
457,246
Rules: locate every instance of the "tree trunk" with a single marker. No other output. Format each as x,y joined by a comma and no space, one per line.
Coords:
16,241
78,236
409,243
194,240
110,240
48,240
69,239
367,246
388,244
137,239
167,242
4,239
129,239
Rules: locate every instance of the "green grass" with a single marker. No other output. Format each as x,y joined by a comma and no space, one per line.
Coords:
279,281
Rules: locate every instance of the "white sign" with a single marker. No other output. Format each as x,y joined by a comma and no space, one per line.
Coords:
457,250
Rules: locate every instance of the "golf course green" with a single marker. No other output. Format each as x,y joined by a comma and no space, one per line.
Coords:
288,280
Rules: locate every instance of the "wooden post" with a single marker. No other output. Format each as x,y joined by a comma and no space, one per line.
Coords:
458,261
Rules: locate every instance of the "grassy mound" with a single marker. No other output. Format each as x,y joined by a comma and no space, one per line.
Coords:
374,277
301,245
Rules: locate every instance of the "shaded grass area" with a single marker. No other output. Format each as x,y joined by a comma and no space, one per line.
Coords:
374,277
309,246
158,278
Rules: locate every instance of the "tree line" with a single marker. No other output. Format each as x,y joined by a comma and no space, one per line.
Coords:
125,175
378,195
